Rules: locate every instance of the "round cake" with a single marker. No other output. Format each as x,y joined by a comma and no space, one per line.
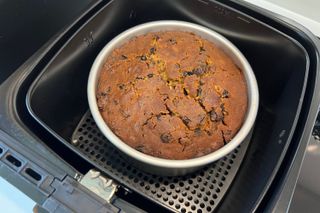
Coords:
172,95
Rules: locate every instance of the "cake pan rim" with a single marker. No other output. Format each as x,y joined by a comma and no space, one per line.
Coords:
167,25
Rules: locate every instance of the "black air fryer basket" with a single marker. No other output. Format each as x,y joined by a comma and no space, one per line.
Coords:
48,103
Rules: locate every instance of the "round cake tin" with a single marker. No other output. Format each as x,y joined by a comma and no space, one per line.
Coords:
161,166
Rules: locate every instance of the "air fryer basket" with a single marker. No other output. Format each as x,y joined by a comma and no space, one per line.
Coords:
57,100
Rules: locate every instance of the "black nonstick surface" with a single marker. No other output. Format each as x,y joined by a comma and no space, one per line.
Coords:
57,99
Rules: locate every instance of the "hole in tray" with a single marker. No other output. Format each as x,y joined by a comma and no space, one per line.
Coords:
14,161
199,195
196,201
1,150
35,175
177,206
174,196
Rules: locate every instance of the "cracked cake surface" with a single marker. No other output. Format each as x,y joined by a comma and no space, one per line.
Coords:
172,95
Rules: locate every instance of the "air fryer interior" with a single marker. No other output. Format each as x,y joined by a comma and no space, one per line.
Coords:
58,101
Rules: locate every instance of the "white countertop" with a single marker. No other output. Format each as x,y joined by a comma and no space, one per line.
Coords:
12,200
305,12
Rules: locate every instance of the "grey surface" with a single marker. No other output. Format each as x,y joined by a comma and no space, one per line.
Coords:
306,197
307,8
304,200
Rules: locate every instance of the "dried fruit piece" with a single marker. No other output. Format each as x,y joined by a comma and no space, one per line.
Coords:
185,92
197,131
225,94
156,37
152,50
121,86
187,73
172,41
166,137
198,71
140,148
143,58
215,117
224,112
185,120
101,94
199,92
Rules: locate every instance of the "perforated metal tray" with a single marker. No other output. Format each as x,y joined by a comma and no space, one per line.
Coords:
200,191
